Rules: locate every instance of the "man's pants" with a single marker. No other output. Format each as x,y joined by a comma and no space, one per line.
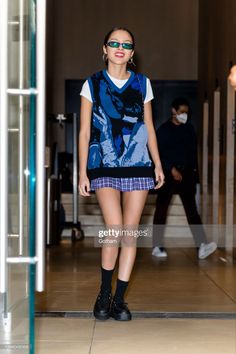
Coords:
186,190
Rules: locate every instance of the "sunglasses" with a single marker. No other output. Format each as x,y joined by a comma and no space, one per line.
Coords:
114,44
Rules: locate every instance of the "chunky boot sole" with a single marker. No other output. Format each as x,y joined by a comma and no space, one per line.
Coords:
121,317
101,317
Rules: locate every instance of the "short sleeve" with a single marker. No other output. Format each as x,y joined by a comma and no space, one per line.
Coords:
149,92
85,91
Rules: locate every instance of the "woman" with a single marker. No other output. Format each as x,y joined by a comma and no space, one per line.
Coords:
118,158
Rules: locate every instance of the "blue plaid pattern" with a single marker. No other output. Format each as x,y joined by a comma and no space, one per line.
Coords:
123,184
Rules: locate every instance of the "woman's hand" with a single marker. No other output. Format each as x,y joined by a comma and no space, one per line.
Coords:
159,176
84,186
176,174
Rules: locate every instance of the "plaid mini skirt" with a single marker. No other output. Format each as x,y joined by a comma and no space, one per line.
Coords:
123,184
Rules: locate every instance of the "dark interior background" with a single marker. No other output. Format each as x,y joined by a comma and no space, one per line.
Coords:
166,35
184,46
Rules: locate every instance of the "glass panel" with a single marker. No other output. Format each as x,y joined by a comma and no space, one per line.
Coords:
18,42
19,299
15,150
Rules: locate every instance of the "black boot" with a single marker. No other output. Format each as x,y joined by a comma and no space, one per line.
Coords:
120,312
102,305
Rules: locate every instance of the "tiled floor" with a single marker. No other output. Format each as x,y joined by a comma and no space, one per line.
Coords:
181,283
162,336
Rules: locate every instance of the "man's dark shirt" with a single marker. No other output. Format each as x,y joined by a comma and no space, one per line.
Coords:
178,147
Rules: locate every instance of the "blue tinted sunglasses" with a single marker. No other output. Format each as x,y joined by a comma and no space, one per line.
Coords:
114,44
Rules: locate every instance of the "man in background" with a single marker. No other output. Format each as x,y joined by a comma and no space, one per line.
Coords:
177,143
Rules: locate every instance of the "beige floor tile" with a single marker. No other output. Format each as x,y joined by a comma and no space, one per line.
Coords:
162,336
80,347
140,347
165,337
67,301
63,329
159,329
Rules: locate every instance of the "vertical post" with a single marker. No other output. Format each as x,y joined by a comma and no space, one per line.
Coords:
4,144
75,169
40,143
216,157
21,128
205,159
230,166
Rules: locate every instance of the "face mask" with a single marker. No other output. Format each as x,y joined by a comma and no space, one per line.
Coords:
182,118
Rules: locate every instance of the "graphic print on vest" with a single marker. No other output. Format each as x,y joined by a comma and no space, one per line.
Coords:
118,132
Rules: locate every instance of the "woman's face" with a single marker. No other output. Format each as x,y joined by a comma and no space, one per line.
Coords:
119,55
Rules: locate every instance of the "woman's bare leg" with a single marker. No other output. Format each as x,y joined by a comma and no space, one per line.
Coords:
133,204
109,201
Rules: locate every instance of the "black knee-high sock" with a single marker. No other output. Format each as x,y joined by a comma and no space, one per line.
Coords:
106,279
121,287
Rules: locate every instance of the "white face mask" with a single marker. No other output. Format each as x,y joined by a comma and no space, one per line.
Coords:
182,118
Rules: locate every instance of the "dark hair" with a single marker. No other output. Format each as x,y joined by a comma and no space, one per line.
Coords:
179,101
118,29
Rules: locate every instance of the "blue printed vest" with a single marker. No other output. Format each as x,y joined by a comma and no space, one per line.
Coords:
118,137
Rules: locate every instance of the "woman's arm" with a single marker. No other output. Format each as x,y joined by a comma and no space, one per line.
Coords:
84,136
152,144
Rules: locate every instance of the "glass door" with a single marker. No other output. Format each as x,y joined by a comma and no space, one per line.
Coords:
22,43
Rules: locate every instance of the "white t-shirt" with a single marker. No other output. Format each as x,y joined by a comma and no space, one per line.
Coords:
85,91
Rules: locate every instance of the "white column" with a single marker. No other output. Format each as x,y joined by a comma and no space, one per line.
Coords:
216,157
230,166
205,162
